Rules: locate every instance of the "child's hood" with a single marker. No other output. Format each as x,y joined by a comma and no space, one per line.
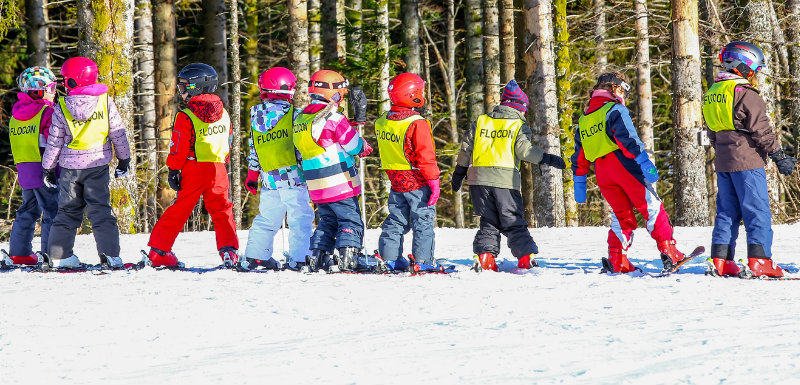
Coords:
207,107
82,101
27,107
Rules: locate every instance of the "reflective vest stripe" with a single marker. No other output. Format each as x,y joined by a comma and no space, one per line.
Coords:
494,142
391,136
275,148
91,133
24,138
302,138
592,131
211,140
718,105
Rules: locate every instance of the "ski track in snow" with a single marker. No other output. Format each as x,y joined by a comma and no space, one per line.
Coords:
560,324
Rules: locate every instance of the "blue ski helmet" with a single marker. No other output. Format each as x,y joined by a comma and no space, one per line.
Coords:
741,58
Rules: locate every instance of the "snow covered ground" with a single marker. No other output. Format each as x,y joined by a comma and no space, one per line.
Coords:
558,324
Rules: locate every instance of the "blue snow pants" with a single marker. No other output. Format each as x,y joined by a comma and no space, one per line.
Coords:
741,196
273,206
38,202
408,211
339,225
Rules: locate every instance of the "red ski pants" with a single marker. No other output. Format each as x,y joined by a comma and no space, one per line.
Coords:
209,180
624,188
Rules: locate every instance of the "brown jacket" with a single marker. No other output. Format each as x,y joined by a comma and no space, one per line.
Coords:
747,147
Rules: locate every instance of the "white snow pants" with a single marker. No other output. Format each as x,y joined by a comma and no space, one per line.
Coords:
273,206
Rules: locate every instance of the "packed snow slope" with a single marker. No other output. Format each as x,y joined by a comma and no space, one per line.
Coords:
562,323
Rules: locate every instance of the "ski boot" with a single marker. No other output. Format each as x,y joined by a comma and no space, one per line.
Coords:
764,267
670,256
485,261
527,262
9,260
296,265
347,258
158,258
321,260
253,263
722,267
229,256
617,262
113,263
70,263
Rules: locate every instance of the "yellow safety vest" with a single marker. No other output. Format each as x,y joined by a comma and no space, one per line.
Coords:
24,138
592,131
91,133
718,105
211,140
302,139
275,148
494,142
391,136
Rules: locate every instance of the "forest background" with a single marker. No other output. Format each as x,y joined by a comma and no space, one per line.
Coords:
465,50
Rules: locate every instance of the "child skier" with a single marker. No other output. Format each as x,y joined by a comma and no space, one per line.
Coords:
283,188
742,137
607,138
408,156
490,157
199,151
28,131
85,125
327,143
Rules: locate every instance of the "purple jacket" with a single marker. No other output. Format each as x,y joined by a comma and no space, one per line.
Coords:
81,102
30,173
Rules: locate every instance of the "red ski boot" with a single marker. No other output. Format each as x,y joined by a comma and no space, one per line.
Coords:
670,255
32,259
229,256
162,258
486,261
527,262
764,267
617,262
726,267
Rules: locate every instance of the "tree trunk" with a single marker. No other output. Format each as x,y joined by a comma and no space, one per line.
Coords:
491,54
236,117
333,39
314,35
508,52
36,13
565,109
410,12
452,106
298,49
165,77
215,42
793,30
644,91
146,104
354,13
713,43
382,16
548,189
600,36
106,35
474,70
253,95
689,182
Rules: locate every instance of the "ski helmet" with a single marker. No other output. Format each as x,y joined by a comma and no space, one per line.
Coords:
196,79
277,83
79,72
407,90
742,58
37,79
326,83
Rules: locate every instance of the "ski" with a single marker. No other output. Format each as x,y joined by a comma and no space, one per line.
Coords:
181,267
697,252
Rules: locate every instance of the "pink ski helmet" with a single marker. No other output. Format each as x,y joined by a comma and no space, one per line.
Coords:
277,83
79,72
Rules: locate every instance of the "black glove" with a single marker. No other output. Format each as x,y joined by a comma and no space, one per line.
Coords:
122,168
785,163
458,177
174,179
359,102
553,161
50,178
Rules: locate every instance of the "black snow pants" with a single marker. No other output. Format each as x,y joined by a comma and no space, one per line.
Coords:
501,211
80,190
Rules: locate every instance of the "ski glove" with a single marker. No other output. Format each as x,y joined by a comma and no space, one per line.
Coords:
123,166
648,168
580,188
251,184
174,179
50,178
785,163
458,177
366,150
553,161
434,185
359,102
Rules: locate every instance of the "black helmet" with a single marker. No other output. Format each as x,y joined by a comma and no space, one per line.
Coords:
741,58
196,79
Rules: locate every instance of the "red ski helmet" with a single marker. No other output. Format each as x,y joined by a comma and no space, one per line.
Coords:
277,83
79,72
407,90
326,83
